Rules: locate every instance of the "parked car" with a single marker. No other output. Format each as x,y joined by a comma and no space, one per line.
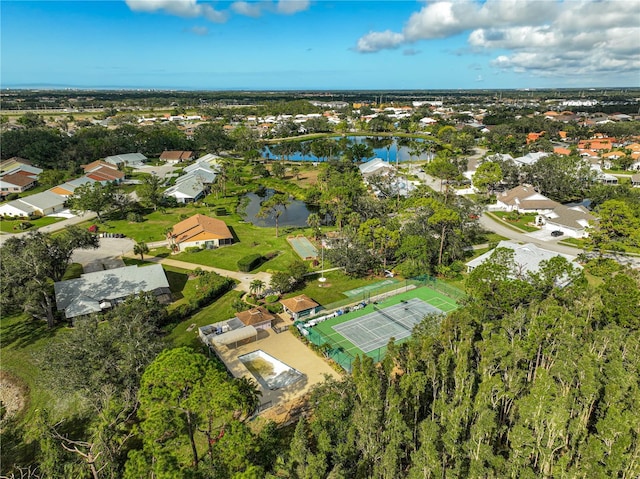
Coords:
557,233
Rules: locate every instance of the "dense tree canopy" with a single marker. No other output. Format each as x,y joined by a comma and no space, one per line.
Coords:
29,265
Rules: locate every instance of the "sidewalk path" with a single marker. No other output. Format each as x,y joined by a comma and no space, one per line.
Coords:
244,279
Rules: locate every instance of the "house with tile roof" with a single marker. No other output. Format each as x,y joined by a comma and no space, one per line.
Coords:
257,317
15,183
571,220
299,306
524,199
177,156
200,231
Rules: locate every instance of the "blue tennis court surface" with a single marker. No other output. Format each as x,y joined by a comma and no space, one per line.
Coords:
374,330
303,247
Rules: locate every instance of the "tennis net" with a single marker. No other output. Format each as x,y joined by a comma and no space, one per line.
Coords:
391,318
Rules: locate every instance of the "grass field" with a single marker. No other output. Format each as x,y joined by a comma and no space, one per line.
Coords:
522,223
324,332
13,226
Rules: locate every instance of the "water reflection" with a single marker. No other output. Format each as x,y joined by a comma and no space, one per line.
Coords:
295,214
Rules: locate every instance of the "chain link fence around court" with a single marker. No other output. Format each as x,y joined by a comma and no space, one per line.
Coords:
387,289
336,348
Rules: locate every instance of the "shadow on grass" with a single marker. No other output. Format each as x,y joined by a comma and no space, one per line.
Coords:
177,281
233,233
23,332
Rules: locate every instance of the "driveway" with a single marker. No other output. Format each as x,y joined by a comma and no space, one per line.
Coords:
109,248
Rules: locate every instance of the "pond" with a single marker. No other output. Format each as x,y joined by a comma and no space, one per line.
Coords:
295,214
387,148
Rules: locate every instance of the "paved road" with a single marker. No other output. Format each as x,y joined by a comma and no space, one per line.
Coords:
244,279
493,225
552,245
53,227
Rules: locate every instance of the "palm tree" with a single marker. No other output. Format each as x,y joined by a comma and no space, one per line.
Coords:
140,248
314,222
273,207
256,286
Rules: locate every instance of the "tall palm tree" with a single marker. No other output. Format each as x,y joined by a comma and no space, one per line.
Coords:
314,222
274,207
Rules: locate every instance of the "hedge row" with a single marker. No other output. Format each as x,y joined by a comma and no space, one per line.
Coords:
249,262
210,287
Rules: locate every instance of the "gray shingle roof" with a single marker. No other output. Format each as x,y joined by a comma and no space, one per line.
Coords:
84,295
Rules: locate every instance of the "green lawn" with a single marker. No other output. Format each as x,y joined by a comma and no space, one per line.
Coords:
219,311
12,226
522,223
331,291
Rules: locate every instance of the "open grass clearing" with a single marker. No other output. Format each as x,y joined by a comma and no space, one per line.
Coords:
13,225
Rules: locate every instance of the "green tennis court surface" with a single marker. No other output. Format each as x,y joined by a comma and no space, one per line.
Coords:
368,330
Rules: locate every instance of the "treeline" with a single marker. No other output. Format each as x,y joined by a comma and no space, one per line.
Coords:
526,380
548,388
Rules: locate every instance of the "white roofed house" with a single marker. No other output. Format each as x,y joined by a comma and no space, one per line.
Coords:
127,159
571,220
524,199
44,203
527,259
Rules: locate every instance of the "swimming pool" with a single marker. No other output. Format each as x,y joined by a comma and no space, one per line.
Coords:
270,372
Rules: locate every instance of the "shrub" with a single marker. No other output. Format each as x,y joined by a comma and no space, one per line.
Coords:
192,249
270,255
272,298
221,212
249,262
12,196
274,308
135,217
210,287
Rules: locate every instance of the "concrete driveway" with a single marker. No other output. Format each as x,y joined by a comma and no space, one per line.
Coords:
109,248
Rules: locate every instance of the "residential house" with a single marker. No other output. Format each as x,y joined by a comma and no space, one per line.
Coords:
377,166
258,317
177,156
299,306
67,189
571,220
129,159
635,180
187,189
17,209
102,290
40,204
15,183
524,199
527,259
530,158
19,165
201,231
103,172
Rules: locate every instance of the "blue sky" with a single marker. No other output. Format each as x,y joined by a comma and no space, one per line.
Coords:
301,44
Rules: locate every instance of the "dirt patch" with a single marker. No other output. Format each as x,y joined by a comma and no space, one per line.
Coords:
13,395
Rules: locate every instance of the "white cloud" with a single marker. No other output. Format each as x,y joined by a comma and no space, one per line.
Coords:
249,9
194,8
180,8
550,37
376,41
289,7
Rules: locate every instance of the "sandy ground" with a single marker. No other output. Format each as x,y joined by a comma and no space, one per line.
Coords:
11,394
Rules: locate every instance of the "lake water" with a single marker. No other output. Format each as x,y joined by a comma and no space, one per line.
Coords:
295,214
392,153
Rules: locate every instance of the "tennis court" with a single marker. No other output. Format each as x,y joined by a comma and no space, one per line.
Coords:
374,330
368,330
303,247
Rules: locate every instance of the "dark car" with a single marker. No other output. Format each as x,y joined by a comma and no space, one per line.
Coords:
557,233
